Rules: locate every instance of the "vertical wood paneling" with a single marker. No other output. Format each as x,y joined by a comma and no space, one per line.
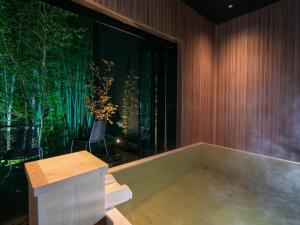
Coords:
257,89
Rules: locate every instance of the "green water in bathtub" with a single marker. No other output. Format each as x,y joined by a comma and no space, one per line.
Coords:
203,198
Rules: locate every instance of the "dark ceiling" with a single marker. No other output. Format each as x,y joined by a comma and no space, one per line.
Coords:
219,11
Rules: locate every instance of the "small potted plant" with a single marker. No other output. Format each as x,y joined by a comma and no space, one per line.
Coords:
99,102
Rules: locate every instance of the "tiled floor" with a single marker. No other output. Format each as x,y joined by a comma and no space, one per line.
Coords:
13,193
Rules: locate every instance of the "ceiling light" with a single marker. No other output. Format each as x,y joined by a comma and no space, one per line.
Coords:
230,6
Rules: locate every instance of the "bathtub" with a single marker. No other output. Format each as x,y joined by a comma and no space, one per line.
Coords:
203,184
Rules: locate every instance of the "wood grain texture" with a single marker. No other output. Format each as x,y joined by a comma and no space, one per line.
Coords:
57,171
115,217
257,87
67,189
195,36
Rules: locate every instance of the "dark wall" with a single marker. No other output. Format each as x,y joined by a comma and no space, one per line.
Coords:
257,61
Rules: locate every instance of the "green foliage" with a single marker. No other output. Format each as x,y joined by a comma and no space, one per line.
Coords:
54,123
44,53
130,102
98,100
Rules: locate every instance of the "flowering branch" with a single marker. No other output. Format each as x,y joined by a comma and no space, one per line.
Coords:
98,103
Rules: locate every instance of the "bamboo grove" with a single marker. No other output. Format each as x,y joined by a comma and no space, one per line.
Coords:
45,54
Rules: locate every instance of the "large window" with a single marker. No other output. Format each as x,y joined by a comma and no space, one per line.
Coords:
46,50
45,56
142,67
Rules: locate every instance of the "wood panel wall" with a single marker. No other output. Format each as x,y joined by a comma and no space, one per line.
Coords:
257,81
195,36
